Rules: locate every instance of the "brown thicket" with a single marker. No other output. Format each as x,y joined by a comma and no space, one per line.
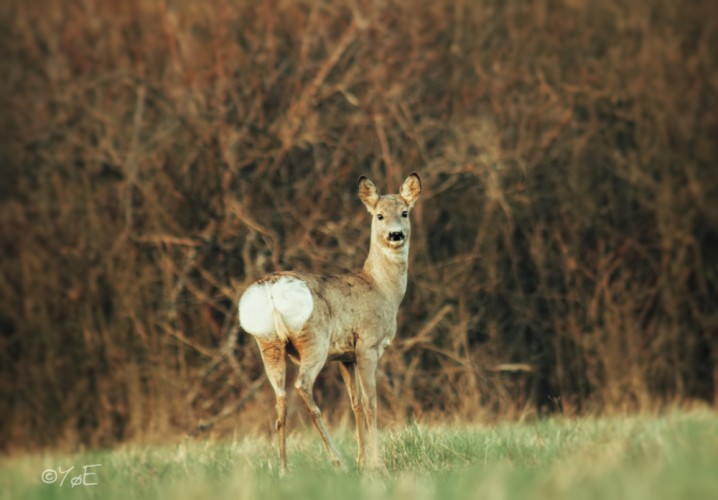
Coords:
158,156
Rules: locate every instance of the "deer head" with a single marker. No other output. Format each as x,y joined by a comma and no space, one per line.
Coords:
390,226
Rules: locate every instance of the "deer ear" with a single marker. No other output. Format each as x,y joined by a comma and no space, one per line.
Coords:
367,193
410,189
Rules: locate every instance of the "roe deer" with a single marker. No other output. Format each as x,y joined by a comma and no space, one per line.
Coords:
347,318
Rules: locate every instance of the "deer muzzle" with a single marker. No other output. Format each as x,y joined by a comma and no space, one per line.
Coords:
396,236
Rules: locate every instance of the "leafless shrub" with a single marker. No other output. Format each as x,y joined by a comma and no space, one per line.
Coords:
155,158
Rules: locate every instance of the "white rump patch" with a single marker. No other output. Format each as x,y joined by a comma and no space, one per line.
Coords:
288,295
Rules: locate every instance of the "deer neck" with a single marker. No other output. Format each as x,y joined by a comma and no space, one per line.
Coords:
388,269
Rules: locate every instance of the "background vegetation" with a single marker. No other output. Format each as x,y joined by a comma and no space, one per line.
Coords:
158,156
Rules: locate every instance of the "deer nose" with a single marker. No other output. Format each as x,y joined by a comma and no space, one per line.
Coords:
396,236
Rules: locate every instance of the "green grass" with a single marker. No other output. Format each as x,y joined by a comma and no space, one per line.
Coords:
653,458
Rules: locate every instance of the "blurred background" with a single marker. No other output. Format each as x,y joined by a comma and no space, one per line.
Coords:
158,156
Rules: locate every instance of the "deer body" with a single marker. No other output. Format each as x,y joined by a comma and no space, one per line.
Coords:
347,318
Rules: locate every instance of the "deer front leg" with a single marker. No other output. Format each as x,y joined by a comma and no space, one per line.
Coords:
349,376
367,362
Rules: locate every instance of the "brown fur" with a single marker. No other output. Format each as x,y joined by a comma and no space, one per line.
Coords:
353,321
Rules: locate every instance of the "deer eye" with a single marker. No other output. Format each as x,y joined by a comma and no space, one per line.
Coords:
380,217
405,214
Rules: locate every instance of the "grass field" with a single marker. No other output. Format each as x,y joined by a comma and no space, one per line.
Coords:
639,457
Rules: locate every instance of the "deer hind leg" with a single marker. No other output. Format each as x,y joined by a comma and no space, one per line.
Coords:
312,361
349,375
367,362
274,356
